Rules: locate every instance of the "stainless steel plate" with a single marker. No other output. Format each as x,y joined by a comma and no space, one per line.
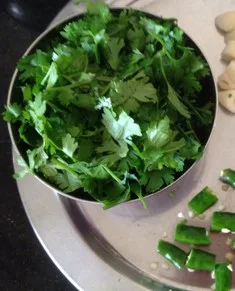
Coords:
112,250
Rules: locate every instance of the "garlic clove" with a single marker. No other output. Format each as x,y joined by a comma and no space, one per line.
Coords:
228,53
225,83
230,70
227,100
226,21
229,36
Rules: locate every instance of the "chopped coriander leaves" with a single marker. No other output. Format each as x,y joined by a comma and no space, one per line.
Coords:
112,107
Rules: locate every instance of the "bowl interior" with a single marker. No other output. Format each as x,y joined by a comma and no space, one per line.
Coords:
208,93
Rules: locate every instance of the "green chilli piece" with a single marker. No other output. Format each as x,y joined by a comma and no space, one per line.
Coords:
228,176
189,234
223,220
202,201
223,277
200,260
172,253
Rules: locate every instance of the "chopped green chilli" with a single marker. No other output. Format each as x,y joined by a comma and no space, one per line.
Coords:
110,108
172,253
223,277
191,234
202,201
223,221
200,260
228,176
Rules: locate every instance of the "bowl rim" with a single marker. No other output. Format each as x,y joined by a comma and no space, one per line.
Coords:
74,17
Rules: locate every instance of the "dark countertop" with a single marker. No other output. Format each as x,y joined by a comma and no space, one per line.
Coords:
24,265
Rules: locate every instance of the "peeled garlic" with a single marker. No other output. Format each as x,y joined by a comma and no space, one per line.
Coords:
226,21
227,100
226,81
228,53
230,70
229,36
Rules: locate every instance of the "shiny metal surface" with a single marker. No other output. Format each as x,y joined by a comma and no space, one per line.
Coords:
113,250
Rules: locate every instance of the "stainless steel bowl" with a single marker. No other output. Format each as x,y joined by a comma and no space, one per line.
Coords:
209,87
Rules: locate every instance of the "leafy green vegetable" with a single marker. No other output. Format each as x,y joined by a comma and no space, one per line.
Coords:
115,45
113,107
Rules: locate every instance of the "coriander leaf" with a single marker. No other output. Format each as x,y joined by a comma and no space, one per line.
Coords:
70,63
130,93
136,56
74,131
151,26
137,38
67,182
97,8
173,97
152,157
177,34
115,193
123,128
185,72
158,134
171,160
12,113
65,96
204,114
114,151
51,76
114,45
27,92
49,171
191,148
38,106
153,29
69,145
98,172
104,102
199,66
174,146
74,30
167,175
34,66
155,181
128,177
136,189
122,131
26,169
38,157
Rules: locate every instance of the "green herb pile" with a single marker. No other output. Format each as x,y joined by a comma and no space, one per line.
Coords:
109,110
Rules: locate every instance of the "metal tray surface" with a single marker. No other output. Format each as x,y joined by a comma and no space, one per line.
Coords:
115,249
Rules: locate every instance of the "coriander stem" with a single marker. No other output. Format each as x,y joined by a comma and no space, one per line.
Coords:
191,128
70,86
104,78
106,89
65,167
